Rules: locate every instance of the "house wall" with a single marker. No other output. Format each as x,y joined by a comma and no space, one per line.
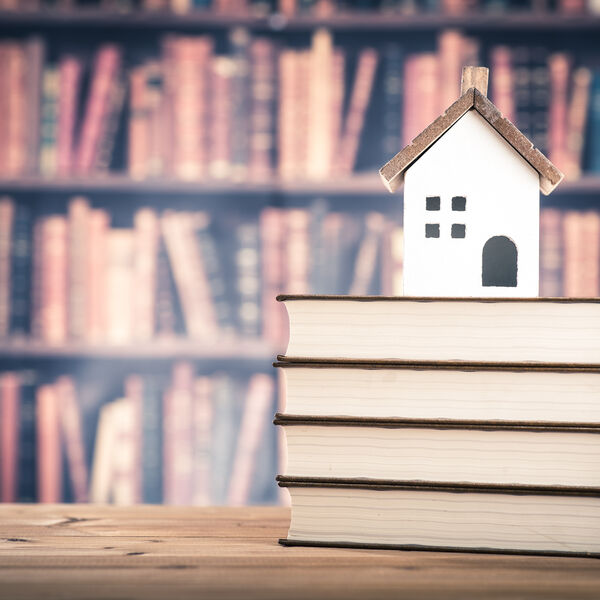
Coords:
502,199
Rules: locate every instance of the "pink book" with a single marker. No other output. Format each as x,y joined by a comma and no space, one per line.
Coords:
49,459
72,434
557,120
7,215
502,81
54,270
257,409
69,77
9,435
104,78
134,390
98,227
177,440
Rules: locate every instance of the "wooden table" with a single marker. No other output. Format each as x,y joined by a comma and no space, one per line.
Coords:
153,552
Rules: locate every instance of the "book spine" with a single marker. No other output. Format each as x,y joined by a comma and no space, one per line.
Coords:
69,77
53,280
70,422
262,127
137,157
297,251
152,441
178,431
258,403
78,224
574,257
202,440
214,273
146,234
247,261
359,101
35,50
551,252
393,90
503,81
166,294
559,82
272,234
21,272
27,488
318,125
119,286
577,121
16,140
9,435
286,123
104,75
220,123
97,266
366,259
239,40
450,44
134,392
594,126
49,126
49,459
106,143
7,221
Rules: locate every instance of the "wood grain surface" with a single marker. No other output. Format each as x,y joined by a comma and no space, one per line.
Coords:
155,552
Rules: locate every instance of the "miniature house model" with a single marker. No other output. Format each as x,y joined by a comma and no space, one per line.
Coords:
471,201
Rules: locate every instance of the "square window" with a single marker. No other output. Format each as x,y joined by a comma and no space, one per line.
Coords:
432,230
458,230
432,203
459,203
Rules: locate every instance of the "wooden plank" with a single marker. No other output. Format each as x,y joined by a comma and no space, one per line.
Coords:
105,552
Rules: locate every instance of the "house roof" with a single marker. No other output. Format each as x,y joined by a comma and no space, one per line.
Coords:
393,171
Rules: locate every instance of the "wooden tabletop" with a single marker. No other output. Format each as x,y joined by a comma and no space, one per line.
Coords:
170,553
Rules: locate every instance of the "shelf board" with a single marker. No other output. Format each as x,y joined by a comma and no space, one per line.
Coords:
246,350
368,185
351,21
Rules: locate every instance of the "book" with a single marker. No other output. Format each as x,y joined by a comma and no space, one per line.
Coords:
494,394
518,520
447,451
7,218
535,330
49,454
9,435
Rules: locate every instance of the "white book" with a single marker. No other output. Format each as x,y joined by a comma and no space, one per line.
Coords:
511,394
446,452
508,330
402,516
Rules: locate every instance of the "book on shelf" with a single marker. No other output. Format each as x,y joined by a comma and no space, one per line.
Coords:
262,109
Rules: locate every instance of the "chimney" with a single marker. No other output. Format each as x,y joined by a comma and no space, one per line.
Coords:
474,77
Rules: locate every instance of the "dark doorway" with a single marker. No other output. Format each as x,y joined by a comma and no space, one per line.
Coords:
499,262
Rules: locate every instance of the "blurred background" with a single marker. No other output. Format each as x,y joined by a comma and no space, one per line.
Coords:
167,167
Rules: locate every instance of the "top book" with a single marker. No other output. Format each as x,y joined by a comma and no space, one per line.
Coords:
560,331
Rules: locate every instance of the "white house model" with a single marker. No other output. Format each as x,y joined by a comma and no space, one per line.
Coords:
471,201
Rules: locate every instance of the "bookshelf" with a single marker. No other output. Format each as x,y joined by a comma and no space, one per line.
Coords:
355,185
323,223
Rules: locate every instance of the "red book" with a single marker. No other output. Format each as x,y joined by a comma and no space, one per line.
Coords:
177,440
72,434
104,78
53,279
258,406
16,114
7,216
69,77
49,458
359,101
9,435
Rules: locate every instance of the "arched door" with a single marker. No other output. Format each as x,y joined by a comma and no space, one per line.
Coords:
499,262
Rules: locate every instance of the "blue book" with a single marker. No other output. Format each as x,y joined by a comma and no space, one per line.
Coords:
594,125
152,440
21,253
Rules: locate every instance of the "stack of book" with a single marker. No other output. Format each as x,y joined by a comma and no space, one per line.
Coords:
455,424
